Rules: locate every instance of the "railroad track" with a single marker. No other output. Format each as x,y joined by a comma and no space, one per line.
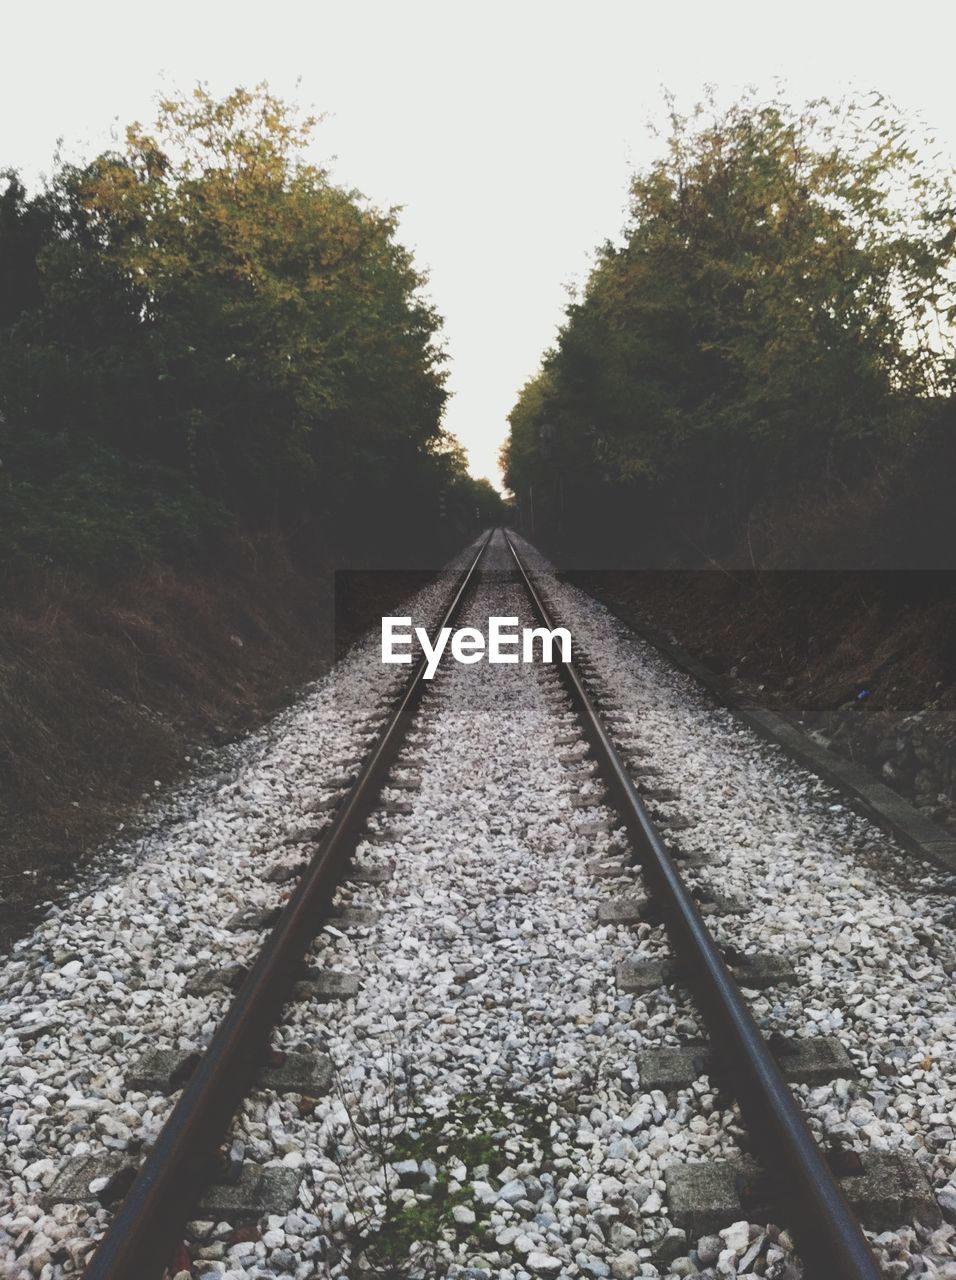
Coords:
597,786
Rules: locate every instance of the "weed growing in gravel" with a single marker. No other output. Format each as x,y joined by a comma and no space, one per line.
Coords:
424,1162
485,1134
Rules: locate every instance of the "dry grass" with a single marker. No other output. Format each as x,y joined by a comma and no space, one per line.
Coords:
851,653
105,690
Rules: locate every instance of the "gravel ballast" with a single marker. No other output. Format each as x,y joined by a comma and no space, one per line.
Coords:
487,1116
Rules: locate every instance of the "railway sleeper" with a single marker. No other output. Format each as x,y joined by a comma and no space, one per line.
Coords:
370,872
885,1189
813,1060
323,986
328,803
609,704
311,984
596,826
711,902
579,766
653,791
283,872
213,979
259,918
693,858
383,838
308,834
166,1070
257,1192
397,808
649,774
546,675
673,822
349,916
642,909
342,781
637,976
581,776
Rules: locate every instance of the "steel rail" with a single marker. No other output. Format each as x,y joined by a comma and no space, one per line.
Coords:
139,1241
829,1234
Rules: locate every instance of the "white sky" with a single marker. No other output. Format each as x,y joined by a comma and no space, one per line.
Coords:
507,131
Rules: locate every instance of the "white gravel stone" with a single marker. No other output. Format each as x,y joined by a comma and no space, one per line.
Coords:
542,1264
626,1265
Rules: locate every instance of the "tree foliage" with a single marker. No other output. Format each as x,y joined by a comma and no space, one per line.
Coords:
780,309
201,329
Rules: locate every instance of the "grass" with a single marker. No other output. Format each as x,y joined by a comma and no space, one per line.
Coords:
484,1132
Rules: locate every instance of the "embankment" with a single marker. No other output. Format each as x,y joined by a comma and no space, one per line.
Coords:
864,660
108,692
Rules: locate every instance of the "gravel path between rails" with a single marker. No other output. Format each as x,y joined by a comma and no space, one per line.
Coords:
487,1096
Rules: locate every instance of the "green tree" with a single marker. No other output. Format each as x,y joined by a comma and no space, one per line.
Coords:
204,306
287,310
782,293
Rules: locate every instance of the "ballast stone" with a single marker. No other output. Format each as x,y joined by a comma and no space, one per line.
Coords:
626,1265
512,1191
253,918
542,1264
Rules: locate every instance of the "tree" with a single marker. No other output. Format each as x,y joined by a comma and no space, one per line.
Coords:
287,311
781,300
206,304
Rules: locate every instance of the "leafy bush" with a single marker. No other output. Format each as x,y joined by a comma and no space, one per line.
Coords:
104,515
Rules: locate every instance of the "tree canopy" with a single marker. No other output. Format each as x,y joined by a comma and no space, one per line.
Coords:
780,309
200,329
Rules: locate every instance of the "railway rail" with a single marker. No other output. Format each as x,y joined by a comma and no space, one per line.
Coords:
151,1217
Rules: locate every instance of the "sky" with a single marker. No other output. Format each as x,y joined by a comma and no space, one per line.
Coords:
506,131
